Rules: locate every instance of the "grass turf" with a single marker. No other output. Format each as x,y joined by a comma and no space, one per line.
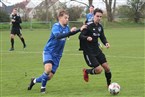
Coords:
125,57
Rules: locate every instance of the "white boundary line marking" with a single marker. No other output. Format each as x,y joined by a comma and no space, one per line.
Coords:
25,52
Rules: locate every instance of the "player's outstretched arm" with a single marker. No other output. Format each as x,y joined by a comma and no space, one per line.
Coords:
73,31
63,35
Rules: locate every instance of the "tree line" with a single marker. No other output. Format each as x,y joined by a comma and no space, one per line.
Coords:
134,10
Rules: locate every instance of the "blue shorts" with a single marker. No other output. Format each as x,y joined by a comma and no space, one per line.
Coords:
54,60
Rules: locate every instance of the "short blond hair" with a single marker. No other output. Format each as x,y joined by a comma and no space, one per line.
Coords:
62,13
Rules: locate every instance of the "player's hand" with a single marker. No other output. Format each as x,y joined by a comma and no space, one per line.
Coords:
89,38
83,27
107,45
13,20
73,29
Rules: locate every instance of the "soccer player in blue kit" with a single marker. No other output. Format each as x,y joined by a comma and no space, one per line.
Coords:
54,48
90,15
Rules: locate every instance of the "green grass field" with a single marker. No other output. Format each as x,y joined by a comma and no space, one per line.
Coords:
126,59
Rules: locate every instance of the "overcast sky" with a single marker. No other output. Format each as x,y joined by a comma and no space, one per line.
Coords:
96,3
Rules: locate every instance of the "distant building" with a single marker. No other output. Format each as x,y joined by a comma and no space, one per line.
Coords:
37,5
4,6
31,7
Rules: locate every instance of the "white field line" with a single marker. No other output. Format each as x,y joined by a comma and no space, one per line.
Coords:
71,54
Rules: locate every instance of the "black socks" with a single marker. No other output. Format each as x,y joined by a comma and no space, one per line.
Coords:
108,76
90,71
23,41
12,43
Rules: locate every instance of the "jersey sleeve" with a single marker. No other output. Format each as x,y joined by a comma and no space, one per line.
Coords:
55,30
83,35
102,37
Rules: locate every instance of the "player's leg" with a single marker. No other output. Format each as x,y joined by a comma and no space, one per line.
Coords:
12,35
104,64
91,62
43,78
50,69
108,74
21,38
47,59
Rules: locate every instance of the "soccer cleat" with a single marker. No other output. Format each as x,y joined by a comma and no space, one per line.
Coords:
31,84
11,49
86,76
108,82
43,90
107,86
24,46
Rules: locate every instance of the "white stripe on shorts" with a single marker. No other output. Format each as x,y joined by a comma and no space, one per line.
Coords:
88,59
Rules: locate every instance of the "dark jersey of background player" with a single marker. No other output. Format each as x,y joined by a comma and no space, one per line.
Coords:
16,29
93,55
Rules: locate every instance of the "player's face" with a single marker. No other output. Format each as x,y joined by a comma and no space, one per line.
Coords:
97,17
64,19
14,11
91,9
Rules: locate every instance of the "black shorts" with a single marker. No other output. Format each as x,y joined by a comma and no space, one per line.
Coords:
95,61
16,32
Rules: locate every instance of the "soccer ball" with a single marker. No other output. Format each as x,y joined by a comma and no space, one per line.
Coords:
114,88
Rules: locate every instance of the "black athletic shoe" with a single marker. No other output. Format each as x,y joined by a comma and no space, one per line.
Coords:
24,46
31,84
11,49
43,90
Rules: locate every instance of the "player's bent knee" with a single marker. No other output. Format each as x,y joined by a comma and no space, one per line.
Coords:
98,70
107,70
106,67
48,68
20,36
11,36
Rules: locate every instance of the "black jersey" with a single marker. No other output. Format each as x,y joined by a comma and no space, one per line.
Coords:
94,31
16,24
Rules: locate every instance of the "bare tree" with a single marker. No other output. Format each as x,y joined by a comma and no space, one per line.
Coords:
46,7
136,6
48,4
80,2
90,2
110,8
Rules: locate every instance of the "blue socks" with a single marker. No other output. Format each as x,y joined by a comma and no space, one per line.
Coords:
42,79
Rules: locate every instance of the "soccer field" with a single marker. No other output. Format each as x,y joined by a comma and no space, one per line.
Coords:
125,57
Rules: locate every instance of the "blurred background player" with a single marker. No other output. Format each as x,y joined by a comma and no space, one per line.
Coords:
93,55
16,29
53,49
90,15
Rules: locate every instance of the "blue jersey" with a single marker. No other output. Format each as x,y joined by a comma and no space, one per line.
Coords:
89,17
55,46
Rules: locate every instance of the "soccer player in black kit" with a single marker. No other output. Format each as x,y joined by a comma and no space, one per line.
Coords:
16,29
93,55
